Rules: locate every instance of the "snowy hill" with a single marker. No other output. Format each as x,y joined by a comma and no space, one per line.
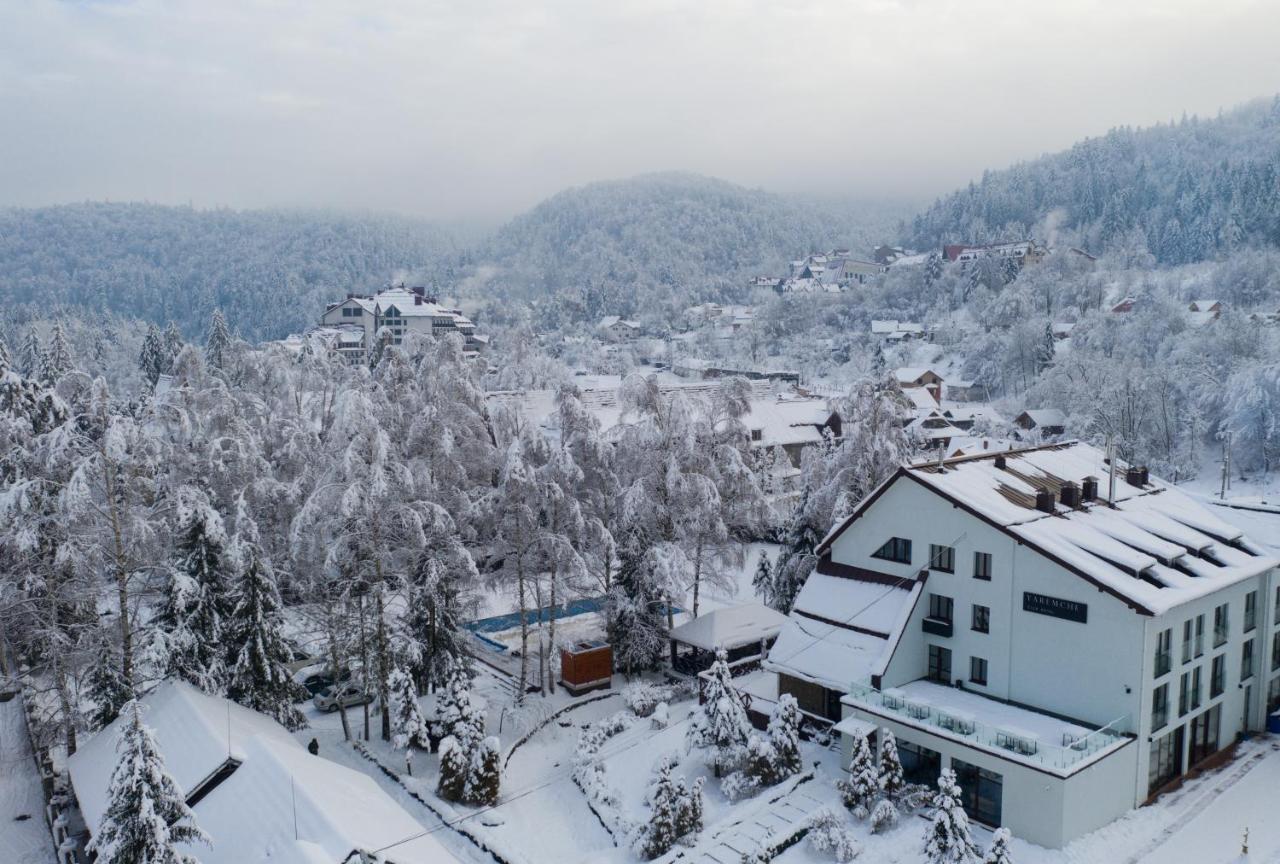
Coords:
1191,190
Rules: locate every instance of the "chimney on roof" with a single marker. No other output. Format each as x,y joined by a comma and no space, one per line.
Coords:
417,300
1044,501
1090,490
1070,495
419,290
1001,462
1136,476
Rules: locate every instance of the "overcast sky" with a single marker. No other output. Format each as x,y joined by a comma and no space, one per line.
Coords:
477,109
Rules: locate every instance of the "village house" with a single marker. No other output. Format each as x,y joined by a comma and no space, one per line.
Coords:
1023,252
254,789
618,329
912,377
966,391
359,321
1045,421
1069,636
897,331
1124,306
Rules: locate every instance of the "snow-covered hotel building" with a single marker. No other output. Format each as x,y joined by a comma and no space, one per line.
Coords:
1070,651
358,321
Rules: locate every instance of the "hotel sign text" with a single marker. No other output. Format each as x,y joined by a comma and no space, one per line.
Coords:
1043,604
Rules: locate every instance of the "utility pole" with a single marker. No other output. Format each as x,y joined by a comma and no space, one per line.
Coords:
1226,465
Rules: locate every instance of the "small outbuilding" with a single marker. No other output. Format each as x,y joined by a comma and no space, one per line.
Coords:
745,632
586,666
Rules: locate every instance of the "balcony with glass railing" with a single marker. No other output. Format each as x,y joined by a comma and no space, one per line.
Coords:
986,724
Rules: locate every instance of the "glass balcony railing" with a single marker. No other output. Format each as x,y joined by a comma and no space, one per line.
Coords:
1061,755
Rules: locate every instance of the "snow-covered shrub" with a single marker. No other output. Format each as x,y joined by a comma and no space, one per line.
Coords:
998,852
828,835
661,717
883,816
590,774
643,697
769,758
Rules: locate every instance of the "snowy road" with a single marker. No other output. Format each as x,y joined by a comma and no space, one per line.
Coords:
24,839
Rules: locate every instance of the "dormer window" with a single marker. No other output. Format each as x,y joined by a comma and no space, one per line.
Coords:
757,434
896,549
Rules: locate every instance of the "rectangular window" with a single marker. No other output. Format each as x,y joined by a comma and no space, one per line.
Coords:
1160,707
981,618
981,792
977,670
940,607
1250,611
1199,635
982,566
1221,625
1186,641
1166,760
757,434
1195,688
896,549
919,764
939,664
1218,677
1164,652
1204,735
1275,652
1184,694
942,558
1246,660
1273,696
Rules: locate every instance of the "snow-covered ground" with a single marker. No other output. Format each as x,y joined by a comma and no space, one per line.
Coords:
24,837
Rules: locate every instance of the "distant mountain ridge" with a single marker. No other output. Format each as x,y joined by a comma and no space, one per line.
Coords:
1190,190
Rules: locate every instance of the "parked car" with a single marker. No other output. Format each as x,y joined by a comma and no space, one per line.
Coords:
341,696
300,659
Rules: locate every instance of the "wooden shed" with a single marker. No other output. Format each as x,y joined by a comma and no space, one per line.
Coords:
586,666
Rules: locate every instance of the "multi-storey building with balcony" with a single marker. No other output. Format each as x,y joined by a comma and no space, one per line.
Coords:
360,321
1070,636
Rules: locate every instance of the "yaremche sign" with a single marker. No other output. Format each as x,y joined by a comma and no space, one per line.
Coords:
1043,604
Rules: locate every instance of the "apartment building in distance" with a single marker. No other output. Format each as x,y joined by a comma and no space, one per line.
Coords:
360,320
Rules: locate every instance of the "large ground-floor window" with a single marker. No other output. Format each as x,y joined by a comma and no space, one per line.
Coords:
981,792
1204,735
1273,695
1166,759
919,764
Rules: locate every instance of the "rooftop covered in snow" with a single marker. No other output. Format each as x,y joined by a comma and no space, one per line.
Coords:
730,627
257,792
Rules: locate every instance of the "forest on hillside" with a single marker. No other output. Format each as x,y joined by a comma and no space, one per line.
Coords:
1185,191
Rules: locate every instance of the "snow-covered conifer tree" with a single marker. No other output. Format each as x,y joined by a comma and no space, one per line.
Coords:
784,734
892,783
105,686
259,676
947,839
31,355
57,360
152,359
722,723
218,343
146,816
762,582
484,777
673,812
408,727
189,625
861,787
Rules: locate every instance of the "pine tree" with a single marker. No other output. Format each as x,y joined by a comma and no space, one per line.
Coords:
260,676
484,779
431,636
188,640
218,342
763,580
105,686
146,816
408,727
796,558
172,346
57,360
672,811
151,359
998,852
455,767
457,714
892,782
861,787
31,355
5,359
784,735
947,840
722,724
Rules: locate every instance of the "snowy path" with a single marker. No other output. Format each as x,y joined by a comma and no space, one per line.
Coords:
26,841
774,815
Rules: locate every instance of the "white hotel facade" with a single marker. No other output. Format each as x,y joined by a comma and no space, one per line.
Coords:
1068,657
